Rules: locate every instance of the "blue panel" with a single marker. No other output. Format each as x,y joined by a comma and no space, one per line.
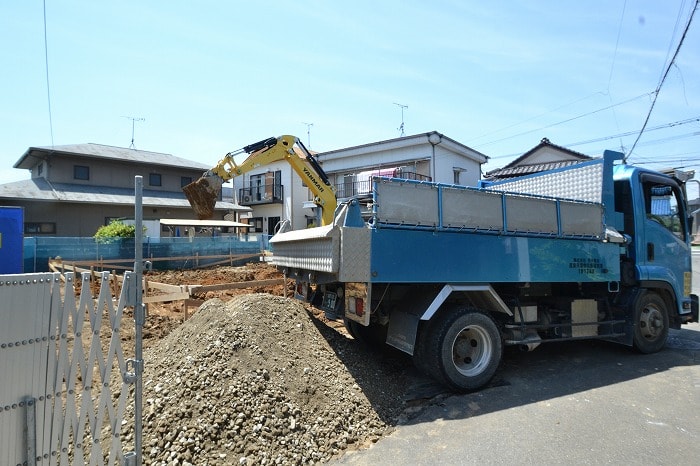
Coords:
409,256
11,239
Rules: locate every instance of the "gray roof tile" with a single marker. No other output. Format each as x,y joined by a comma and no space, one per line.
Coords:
110,153
39,189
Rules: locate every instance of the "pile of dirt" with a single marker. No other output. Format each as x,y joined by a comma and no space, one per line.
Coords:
257,380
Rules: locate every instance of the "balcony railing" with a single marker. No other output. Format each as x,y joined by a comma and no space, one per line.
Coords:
261,194
353,188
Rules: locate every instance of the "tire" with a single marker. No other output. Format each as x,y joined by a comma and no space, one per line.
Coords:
463,350
420,357
650,323
374,336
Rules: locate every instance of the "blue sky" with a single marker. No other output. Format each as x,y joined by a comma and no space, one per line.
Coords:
209,77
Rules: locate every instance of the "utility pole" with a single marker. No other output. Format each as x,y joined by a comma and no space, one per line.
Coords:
401,128
308,133
133,121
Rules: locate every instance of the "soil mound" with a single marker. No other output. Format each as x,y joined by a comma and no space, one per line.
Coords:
258,381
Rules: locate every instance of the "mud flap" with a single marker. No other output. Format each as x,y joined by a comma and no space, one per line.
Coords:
403,328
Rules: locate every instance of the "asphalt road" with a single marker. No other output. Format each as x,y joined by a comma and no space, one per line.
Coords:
569,403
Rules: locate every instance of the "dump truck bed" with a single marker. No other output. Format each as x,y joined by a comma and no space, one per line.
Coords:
434,233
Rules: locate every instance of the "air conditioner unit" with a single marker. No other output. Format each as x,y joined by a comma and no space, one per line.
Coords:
247,198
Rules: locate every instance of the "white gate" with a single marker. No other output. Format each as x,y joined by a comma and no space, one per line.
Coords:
64,379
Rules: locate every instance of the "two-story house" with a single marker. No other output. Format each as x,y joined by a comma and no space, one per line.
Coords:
75,189
275,192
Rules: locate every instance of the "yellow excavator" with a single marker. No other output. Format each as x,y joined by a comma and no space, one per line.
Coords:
203,193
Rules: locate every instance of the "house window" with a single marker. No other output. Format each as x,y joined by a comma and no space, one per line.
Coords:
256,225
154,179
39,228
40,169
81,172
456,174
185,180
257,187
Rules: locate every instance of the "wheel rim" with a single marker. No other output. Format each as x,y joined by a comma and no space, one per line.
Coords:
651,322
471,350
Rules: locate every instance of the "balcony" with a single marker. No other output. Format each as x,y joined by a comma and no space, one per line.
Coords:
261,194
363,184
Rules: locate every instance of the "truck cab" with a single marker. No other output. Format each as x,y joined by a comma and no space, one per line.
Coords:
657,226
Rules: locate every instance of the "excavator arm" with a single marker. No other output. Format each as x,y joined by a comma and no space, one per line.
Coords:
203,193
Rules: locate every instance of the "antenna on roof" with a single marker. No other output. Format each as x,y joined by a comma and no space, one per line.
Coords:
401,128
308,133
133,121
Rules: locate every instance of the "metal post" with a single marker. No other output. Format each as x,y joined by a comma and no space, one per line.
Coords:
30,430
139,318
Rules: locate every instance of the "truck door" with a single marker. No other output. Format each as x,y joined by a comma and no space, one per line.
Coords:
664,254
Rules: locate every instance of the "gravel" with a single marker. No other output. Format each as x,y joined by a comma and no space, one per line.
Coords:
258,380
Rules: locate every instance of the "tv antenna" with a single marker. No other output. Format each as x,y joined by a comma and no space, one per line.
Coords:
133,121
401,128
308,133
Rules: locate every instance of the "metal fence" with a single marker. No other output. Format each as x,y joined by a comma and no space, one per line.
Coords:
66,379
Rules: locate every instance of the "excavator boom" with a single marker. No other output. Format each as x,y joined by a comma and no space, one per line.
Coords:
203,193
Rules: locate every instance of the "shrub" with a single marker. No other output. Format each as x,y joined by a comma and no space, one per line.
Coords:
116,229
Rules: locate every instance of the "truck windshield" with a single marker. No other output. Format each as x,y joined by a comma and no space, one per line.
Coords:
662,206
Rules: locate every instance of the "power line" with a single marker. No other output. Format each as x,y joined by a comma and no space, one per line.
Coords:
473,140
630,133
669,161
617,43
567,120
673,34
663,80
612,65
46,62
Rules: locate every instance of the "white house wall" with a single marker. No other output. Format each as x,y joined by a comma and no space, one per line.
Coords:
447,161
408,152
546,155
294,195
384,158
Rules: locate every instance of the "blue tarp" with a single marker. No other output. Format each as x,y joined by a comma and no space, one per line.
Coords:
38,250
11,231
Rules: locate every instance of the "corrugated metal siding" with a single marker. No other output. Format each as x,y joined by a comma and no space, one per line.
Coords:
52,365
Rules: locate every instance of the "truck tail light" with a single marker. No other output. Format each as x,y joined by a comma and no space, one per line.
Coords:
359,307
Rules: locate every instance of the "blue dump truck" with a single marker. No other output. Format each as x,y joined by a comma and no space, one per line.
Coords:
452,274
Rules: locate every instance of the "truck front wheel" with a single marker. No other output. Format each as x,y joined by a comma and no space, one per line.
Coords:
650,323
463,349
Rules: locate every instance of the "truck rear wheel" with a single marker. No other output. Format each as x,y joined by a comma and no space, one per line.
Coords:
650,323
373,335
463,349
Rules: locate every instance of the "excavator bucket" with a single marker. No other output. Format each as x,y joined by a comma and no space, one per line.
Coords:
203,194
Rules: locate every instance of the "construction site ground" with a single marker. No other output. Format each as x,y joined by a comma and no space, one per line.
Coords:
252,377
